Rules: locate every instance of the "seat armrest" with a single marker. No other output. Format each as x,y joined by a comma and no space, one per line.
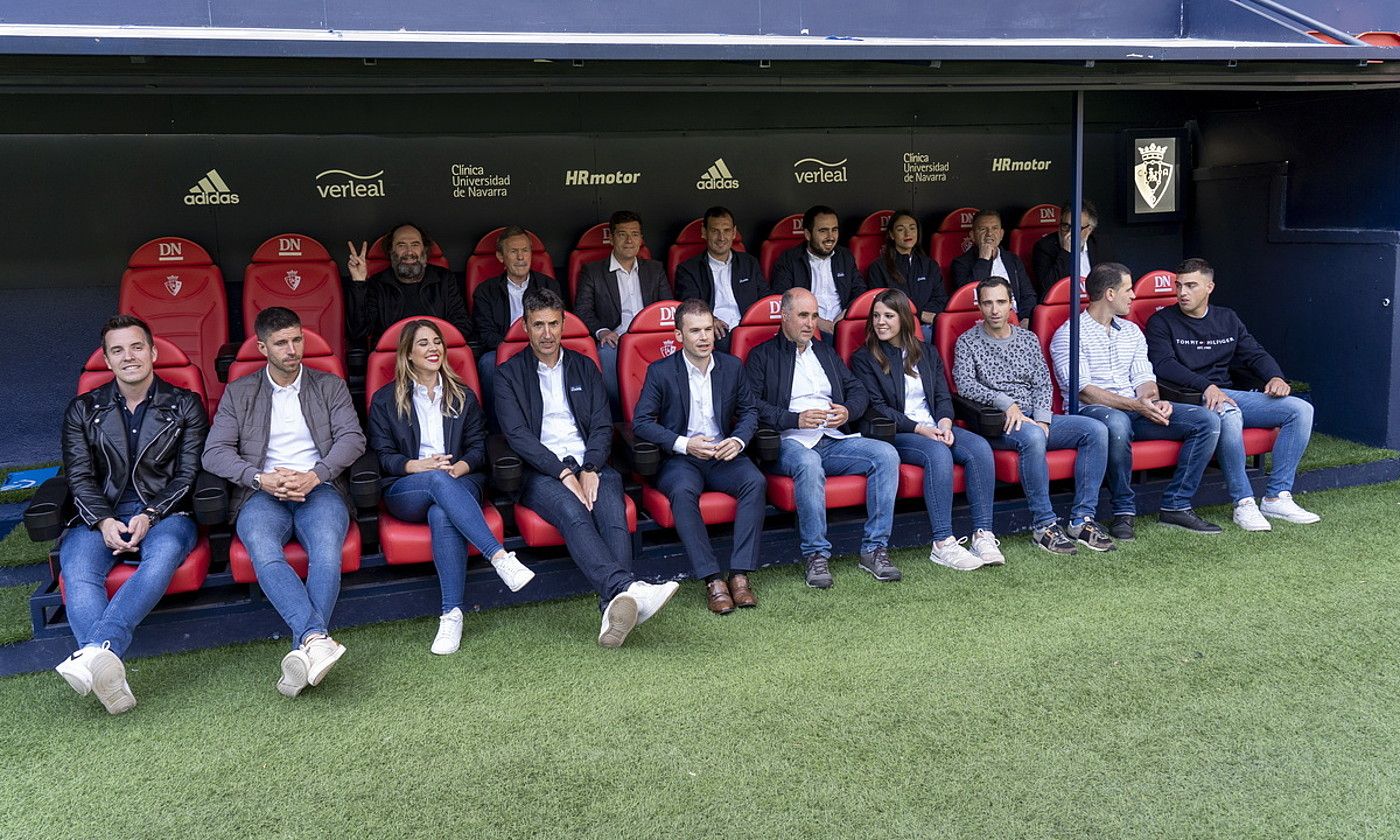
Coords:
507,470
224,359
211,495
766,445
356,362
882,428
364,481
979,417
643,456
1179,393
48,510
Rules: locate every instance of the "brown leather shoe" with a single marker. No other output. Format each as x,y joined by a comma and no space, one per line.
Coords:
739,590
717,597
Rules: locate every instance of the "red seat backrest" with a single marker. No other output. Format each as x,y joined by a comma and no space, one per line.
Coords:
960,316
575,338
1047,317
689,243
595,244
171,364
850,330
760,323
785,234
172,284
950,240
1154,290
865,244
483,264
650,336
378,259
379,370
1381,39
1035,223
316,353
296,271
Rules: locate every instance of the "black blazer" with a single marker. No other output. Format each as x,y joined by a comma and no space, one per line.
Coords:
694,280
663,410
967,268
520,409
491,306
395,439
599,302
923,281
1051,262
770,368
378,302
887,389
792,271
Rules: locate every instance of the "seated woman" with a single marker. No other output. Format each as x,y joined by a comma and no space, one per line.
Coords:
430,435
902,265
906,383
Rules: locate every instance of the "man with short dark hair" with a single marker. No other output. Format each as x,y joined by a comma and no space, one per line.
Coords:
284,437
130,455
696,406
408,288
822,267
729,281
1050,258
986,258
499,301
552,407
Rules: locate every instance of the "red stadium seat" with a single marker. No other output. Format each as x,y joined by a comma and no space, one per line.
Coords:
188,577
316,353
690,243
785,234
240,563
1154,290
950,239
171,364
865,244
850,330
483,264
760,323
173,285
1381,39
296,271
595,244
1035,223
378,259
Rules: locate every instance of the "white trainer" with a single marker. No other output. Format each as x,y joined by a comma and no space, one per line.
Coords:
512,572
295,665
1286,509
449,634
985,545
323,652
950,553
618,620
651,597
1247,516
109,680
74,671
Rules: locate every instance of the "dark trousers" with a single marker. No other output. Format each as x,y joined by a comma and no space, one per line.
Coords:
598,540
683,479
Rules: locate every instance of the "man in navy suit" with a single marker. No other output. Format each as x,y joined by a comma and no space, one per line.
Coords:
986,258
551,404
729,281
822,267
499,301
696,405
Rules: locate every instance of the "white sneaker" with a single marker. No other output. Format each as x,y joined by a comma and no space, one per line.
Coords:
323,652
950,553
651,597
618,620
984,545
1285,508
295,666
513,573
109,680
1247,516
449,634
75,671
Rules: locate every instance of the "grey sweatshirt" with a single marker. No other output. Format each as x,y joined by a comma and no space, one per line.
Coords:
1003,371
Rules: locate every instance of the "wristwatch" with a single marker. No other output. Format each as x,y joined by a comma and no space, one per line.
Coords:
589,467
152,514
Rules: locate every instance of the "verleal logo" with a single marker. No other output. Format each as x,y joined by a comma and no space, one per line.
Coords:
293,279
342,183
173,284
585,178
211,189
718,177
817,171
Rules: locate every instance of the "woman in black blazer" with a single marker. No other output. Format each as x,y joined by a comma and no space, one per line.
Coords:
430,435
902,265
906,383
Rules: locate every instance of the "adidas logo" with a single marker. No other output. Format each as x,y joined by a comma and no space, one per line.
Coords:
211,189
717,177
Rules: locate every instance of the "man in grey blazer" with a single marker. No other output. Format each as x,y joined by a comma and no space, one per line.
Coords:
284,436
612,291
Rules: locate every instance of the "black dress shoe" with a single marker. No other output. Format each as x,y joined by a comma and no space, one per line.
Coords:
1122,527
1187,520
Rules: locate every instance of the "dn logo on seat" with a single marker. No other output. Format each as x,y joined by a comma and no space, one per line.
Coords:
289,246
668,316
965,219
170,252
1049,215
775,310
797,226
1161,283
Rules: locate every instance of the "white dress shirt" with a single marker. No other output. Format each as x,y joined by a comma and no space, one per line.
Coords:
1084,259
558,430
810,389
824,287
999,266
515,294
629,288
289,441
726,305
916,406
428,407
700,418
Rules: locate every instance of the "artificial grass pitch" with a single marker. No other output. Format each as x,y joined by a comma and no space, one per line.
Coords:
1242,685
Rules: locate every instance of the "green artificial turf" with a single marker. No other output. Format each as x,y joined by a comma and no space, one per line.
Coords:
1242,685
16,549
1328,451
15,625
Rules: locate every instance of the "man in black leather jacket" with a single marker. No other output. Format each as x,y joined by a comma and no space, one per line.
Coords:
408,288
131,507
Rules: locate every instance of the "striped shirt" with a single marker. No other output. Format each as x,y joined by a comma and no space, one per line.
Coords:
1113,358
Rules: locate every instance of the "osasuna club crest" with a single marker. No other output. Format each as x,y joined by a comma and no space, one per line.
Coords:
1153,176
293,279
173,284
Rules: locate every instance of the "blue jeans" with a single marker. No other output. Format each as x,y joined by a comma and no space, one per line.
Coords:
683,478
598,540
452,509
319,524
1067,431
1259,410
1198,429
808,468
486,375
607,359
937,459
84,561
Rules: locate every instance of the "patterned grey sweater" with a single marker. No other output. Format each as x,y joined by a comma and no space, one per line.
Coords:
1003,371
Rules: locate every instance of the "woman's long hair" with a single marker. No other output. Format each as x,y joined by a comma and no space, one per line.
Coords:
454,390
908,338
888,251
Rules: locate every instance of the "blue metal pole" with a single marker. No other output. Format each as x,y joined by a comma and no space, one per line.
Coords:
1076,243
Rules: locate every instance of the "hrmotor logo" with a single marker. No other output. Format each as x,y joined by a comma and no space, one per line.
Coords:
342,183
812,170
586,178
718,177
1006,164
211,189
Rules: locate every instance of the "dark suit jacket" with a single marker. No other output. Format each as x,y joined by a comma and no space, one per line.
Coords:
792,271
378,302
967,268
1050,262
663,410
923,281
770,367
694,280
395,439
599,302
491,306
520,409
887,389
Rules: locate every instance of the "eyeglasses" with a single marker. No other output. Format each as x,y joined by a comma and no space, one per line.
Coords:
1084,228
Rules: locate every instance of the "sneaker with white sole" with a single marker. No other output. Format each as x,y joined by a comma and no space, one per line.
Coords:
1248,517
295,666
449,634
987,547
512,572
1288,510
324,652
74,671
950,553
109,680
619,618
651,597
